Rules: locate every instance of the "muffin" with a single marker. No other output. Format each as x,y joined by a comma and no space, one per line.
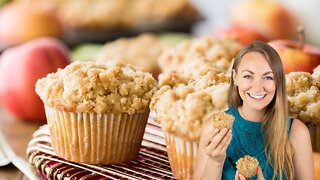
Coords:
304,101
304,97
141,51
196,57
222,120
97,113
181,111
247,166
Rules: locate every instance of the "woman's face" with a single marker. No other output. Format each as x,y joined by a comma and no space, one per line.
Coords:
255,81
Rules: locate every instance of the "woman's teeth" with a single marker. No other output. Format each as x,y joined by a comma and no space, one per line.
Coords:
257,96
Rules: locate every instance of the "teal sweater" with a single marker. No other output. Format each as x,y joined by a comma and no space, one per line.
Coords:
247,138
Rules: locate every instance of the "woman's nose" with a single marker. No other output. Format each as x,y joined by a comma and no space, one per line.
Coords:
257,84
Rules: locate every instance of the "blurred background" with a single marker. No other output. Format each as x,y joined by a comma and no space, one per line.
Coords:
39,36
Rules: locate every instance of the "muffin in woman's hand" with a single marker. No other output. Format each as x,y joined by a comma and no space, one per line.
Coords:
247,166
97,113
222,120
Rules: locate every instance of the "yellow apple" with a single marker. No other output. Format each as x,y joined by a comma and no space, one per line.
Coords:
20,22
267,17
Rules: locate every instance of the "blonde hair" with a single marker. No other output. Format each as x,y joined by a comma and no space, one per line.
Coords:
277,146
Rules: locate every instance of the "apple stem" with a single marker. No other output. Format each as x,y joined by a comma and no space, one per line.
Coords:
301,37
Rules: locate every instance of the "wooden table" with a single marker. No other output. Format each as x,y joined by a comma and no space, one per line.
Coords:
18,134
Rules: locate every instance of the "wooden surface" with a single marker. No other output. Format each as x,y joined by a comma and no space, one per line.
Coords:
18,134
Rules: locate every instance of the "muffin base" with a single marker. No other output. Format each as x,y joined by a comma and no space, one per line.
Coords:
96,138
182,155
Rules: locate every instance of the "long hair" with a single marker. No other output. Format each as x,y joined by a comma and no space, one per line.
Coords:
275,121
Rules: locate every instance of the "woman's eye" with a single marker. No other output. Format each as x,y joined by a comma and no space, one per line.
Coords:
269,78
247,76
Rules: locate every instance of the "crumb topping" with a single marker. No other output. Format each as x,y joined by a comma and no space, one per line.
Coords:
182,109
90,87
141,51
304,96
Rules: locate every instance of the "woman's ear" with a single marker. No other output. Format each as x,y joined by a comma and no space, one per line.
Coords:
234,76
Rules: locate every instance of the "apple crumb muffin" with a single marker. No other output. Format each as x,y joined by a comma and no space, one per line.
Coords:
222,120
120,14
196,57
90,87
304,96
97,113
247,166
141,51
183,108
304,101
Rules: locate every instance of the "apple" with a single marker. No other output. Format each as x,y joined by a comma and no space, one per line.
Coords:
20,67
296,55
306,11
269,18
243,35
20,22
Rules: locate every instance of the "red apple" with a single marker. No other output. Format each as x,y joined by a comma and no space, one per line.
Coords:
297,56
21,67
243,35
20,22
269,18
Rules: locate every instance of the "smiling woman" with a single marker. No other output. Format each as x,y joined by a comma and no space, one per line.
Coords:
255,84
262,127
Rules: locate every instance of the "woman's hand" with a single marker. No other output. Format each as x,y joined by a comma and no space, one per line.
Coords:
215,143
211,152
241,177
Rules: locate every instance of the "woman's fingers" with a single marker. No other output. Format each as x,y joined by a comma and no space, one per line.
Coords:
209,136
217,139
259,174
239,176
242,177
225,142
236,177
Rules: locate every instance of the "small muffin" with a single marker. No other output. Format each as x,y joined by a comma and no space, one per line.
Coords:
141,51
222,120
97,113
181,110
247,166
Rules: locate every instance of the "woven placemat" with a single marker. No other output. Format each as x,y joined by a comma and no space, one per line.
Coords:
151,163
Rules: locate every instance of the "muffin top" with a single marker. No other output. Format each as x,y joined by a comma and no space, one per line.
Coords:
196,57
141,51
304,96
182,109
123,14
247,163
222,120
90,87
218,53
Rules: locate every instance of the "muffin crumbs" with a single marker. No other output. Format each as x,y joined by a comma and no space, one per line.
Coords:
91,87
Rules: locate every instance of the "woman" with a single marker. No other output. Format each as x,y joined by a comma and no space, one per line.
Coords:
262,128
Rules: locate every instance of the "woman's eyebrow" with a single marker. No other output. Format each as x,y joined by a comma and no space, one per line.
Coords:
248,71
269,72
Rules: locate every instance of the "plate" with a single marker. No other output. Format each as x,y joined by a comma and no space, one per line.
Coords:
151,163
